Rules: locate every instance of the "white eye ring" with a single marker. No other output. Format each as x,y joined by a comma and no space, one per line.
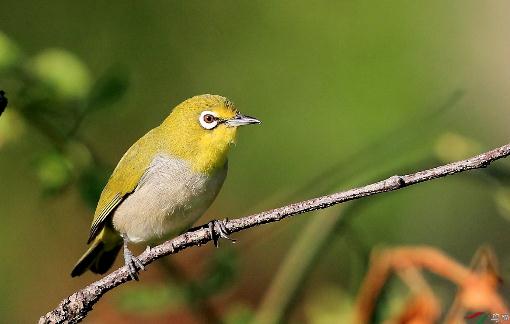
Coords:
206,121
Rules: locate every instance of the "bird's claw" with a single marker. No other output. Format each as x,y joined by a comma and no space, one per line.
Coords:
217,229
133,264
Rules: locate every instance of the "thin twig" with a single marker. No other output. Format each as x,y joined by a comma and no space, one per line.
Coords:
75,307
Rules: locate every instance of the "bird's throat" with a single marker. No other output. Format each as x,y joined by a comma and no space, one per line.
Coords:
205,154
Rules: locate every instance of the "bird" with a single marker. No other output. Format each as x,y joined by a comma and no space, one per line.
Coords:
164,182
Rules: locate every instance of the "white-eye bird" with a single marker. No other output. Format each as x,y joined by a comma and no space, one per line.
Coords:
164,182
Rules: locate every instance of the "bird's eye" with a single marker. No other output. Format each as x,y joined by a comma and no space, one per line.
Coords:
208,120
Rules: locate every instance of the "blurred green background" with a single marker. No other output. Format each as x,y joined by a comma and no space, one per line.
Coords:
350,90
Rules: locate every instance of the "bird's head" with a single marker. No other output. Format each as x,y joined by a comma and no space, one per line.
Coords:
201,129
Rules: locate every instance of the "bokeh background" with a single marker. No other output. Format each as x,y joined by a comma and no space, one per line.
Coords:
348,92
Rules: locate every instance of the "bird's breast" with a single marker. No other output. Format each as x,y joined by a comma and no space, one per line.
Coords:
169,198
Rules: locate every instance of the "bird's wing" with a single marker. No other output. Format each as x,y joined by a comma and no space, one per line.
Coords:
100,218
123,181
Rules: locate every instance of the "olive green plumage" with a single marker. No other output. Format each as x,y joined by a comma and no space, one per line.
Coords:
165,180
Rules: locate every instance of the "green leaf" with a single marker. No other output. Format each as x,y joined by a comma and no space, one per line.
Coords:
91,183
12,127
62,73
54,171
108,89
10,54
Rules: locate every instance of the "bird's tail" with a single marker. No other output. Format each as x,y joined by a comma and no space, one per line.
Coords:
101,254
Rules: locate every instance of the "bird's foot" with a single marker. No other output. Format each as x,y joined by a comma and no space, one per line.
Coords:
217,229
133,264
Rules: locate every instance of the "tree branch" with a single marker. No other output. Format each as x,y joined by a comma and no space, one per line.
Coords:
75,307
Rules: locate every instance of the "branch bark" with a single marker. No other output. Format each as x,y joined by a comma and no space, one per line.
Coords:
75,307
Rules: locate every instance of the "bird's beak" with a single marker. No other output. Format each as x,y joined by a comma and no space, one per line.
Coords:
241,120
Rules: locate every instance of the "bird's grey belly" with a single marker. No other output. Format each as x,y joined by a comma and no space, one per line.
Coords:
168,200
